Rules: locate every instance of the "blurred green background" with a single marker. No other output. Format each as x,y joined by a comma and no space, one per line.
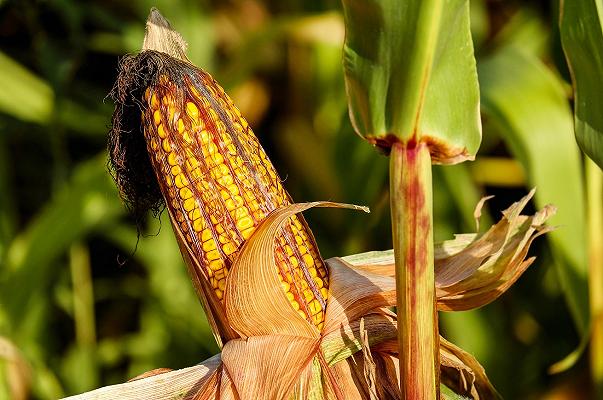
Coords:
86,302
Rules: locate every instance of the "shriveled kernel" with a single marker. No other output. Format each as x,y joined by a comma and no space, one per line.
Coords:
222,284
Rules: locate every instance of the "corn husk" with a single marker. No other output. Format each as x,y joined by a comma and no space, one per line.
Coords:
282,356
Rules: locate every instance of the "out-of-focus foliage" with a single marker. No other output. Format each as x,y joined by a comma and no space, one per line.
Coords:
85,302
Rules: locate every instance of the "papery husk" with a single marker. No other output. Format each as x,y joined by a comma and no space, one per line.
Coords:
356,354
473,270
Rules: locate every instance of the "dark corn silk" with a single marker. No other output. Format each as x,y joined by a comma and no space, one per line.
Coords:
215,178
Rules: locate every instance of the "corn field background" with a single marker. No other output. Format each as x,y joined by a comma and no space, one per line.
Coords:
87,301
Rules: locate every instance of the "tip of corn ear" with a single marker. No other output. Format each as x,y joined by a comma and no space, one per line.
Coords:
160,36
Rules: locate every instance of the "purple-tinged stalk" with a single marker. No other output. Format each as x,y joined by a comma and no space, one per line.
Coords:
412,226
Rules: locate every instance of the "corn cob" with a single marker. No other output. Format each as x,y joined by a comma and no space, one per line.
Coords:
219,184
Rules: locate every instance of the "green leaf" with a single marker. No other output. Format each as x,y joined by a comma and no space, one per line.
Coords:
24,95
87,202
415,80
527,103
582,38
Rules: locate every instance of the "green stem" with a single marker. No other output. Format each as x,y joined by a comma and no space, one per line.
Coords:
412,227
594,187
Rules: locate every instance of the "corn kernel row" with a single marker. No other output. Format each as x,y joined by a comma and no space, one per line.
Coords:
219,184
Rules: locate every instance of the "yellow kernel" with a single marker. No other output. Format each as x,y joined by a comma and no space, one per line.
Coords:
293,261
180,125
222,284
308,295
241,212
166,145
244,123
244,223
196,173
192,110
303,249
318,318
231,149
216,265
191,162
185,193
286,286
318,282
157,117
229,248
195,214
230,204
154,101
176,170
324,293
295,305
172,158
209,245
154,144
189,204
314,306
308,260
213,255
187,137
198,224
290,296
248,232
181,181
218,159
319,326
289,250
219,294
225,180
302,314
161,132
206,235
312,272
234,189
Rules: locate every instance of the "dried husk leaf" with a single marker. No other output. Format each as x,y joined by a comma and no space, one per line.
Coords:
472,270
186,383
354,293
254,300
461,372
267,366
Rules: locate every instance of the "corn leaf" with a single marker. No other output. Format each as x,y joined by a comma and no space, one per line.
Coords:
414,77
581,26
24,95
526,102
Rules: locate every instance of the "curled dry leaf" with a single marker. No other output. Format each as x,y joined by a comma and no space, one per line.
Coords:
473,270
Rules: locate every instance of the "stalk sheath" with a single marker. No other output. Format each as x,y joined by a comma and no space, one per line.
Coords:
412,226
